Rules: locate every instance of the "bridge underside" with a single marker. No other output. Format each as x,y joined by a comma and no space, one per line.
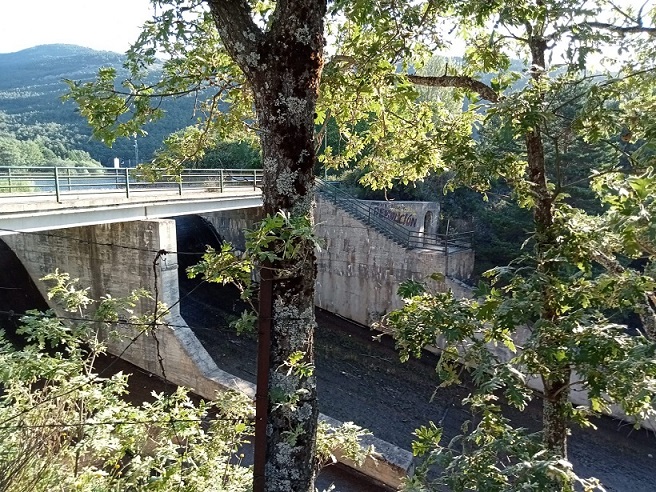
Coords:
24,214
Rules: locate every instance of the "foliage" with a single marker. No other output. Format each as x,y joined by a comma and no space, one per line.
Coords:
228,266
66,426
231,154
198,64
548,315
343,441
613,366
472,460
383,127
281,237
14,152
277,238
501,227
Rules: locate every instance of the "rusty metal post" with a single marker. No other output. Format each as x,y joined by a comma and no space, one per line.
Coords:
262,391
57,191
127,183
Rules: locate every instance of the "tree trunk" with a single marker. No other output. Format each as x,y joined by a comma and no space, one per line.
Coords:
556,382
555,411
283,67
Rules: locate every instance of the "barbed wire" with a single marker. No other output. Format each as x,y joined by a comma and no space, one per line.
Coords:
152,325
155,251
122,322
14,314
119,422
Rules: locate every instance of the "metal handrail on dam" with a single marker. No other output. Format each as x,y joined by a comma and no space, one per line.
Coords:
402,235
60,181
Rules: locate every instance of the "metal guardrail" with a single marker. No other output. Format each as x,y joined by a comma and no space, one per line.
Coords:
396,232
61,181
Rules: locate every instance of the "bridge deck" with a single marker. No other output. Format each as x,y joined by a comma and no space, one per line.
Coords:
28,213
43,198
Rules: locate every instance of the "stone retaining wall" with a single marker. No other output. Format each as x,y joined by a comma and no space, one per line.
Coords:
360,269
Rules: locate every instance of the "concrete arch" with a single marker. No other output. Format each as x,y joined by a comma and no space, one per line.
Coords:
18,292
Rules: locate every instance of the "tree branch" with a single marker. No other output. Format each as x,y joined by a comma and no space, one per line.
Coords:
240,35
459,81
635,29
623,13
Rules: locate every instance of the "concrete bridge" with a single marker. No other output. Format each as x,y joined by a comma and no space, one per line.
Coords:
110,227
370,247
39,199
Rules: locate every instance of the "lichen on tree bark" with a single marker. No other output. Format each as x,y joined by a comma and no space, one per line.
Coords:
283,67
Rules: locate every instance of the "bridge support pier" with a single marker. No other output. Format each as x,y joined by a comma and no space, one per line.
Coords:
117,259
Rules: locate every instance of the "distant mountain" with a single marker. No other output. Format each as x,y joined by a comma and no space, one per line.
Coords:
30,97
46,65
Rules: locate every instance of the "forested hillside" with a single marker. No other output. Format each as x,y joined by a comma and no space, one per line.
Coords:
31,108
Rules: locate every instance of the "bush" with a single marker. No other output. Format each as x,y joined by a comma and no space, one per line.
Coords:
65,427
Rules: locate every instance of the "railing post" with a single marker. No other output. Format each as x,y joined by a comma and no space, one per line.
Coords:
9,179
446,253
254,179
57,184
220,180
180,183
68,178
127,183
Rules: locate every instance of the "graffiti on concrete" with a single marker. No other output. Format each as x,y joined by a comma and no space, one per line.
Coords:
398,213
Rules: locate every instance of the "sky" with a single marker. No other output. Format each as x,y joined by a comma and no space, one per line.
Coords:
102,25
